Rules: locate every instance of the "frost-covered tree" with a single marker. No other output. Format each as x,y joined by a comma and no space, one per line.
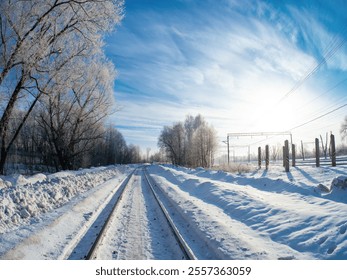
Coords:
192,143
133,154
72,117
111,149
172,140
191,124
205,145
39,40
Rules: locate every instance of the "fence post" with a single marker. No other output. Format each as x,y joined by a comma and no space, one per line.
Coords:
284,156
333,150
286,152
259,157
267,161
317,152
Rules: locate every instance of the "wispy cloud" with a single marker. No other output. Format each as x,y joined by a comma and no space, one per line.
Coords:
227,62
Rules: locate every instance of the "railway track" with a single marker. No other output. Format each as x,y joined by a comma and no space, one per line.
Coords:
188,253
133,226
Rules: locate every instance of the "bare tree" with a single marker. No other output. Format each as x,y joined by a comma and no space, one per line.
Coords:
73,118
110,149
324,147
275,152
158,156
133,154
191,124
205,143
172,140
192,144
37,39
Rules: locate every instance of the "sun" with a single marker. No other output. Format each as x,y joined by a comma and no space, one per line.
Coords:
280,115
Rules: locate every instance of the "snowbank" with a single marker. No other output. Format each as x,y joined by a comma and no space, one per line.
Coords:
339,183
280,212
23,198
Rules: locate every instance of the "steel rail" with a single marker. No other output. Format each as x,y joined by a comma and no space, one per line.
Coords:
189,254
92,252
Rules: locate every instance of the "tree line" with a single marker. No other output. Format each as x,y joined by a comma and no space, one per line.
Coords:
33,150
190,143
56,85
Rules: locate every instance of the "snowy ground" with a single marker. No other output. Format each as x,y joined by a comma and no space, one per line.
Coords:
44,218
264,214
257,215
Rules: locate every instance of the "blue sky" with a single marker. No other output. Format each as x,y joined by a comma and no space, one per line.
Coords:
246,66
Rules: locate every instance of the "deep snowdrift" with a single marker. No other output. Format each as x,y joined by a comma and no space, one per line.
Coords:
267,214
24,198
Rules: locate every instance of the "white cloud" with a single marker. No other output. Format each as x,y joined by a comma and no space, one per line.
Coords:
233,71
321,42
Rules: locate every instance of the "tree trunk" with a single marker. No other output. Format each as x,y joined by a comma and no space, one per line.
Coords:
3,161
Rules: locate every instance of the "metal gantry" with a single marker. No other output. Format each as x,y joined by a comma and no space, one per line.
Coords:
253,134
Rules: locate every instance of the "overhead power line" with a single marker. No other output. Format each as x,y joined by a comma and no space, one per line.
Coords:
326,56
319,117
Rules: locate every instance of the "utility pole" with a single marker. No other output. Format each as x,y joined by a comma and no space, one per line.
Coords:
227,142
286,155
317,152
267,157
228,150
333,150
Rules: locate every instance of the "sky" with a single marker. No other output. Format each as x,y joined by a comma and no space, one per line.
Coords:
245,66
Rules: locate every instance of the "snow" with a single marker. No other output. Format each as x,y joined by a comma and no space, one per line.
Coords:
43,213
138,235
262,214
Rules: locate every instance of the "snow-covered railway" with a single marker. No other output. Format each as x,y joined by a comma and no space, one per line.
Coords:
137,227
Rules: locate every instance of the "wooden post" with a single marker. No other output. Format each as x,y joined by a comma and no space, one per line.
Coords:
333,150
286,152
267,160
293,155
228,151
259,157
317,152
284,156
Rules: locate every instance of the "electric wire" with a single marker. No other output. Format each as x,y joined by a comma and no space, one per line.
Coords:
328,53
319,117
334,45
